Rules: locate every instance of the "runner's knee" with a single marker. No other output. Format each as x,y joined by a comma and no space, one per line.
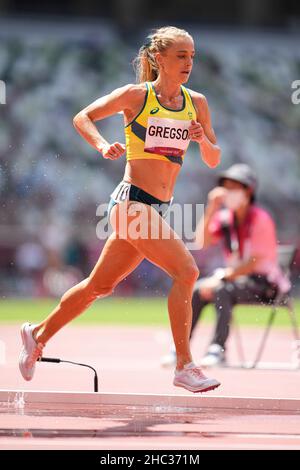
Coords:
188,274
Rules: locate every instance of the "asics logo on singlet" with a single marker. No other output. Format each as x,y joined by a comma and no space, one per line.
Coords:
154,110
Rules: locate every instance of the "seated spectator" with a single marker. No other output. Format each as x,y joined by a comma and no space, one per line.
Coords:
248,237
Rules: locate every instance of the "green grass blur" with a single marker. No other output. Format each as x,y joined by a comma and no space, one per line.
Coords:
129,311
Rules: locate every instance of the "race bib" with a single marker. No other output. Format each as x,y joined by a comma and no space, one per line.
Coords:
167,136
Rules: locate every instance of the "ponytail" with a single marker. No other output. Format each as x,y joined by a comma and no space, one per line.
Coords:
145,64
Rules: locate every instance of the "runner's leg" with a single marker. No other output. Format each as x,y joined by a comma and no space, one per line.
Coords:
171,255
118,258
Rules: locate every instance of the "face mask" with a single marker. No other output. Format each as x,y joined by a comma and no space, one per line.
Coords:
234,199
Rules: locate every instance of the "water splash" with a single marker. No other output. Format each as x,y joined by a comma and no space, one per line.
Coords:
19,402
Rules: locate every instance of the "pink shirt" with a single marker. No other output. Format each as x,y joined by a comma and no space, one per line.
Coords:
255,237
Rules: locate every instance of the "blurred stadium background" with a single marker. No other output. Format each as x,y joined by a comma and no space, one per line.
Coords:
57,58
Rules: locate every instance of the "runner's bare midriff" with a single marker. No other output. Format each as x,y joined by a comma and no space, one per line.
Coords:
156,177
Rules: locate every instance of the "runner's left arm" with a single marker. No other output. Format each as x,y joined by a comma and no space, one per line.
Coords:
202,132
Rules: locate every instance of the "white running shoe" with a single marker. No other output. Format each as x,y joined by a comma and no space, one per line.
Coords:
215,356
169,359
192,378
30,352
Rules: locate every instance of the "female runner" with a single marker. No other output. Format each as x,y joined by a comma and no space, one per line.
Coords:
161,117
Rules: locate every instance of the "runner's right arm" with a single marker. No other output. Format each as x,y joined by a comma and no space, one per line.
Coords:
103,107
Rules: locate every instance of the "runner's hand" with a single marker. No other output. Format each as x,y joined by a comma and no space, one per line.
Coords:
196,132
113,151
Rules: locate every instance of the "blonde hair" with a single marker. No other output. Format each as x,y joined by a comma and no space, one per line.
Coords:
160,40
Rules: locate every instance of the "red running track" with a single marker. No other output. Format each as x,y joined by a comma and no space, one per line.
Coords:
127,360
